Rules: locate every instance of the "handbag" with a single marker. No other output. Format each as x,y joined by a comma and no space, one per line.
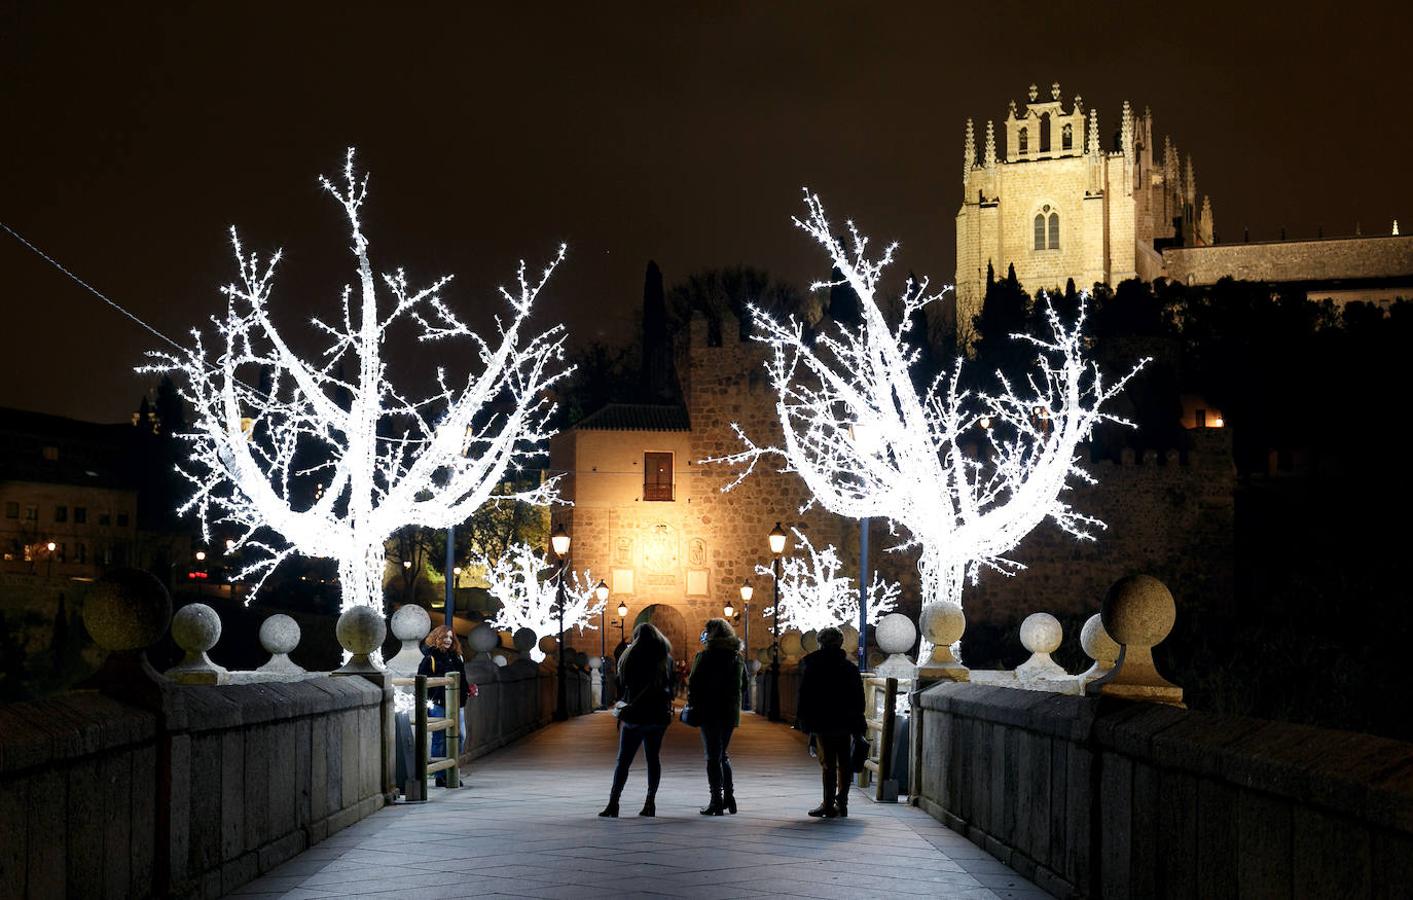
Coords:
688,716
858,754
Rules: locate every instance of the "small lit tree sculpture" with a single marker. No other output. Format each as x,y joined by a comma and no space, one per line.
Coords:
965,475
524,582
813,595
384,461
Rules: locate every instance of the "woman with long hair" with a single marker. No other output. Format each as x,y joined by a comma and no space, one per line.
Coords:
714,691
645,678
442,656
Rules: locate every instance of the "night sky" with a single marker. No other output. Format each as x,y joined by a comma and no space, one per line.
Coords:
133,138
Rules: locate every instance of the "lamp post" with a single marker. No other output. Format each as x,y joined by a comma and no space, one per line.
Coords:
777,547
622,623
601,594
51,547
867,439
560,542
746,591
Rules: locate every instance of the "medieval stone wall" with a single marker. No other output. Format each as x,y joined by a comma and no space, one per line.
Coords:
1337,258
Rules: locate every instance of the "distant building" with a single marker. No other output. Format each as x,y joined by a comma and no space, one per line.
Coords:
1057,203
62,484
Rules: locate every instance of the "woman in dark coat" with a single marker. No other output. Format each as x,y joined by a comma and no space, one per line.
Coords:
831,710
442,656
714,691
645,678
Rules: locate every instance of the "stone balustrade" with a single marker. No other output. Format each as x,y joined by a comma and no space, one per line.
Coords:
192,783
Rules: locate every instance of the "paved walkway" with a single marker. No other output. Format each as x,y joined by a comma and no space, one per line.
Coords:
524,825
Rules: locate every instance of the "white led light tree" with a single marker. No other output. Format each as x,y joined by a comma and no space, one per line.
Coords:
525,583
382,459
814,595
963,475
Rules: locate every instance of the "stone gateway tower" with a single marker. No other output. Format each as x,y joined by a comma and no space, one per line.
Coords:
1057,204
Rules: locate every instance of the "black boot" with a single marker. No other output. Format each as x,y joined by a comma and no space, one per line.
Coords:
610,811
729,801
649,808
841,806
714,808
825,810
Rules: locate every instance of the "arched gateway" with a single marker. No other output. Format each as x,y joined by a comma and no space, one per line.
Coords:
671,623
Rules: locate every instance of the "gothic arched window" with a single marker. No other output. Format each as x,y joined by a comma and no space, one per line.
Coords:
1045,133
1054,231
1039,231
1067,137
1024,141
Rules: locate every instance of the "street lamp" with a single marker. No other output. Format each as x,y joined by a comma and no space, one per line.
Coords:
201,556
777,547
601,594
559,540
51,547
746,591
867,439
622,622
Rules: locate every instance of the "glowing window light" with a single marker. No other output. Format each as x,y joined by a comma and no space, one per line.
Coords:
962,510
382,464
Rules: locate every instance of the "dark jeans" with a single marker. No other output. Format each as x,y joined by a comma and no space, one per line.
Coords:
629,737
835,752
715,740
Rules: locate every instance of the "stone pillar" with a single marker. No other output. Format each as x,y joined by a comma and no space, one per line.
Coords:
1138,613
126,612
1041,634
944,624
896,635
279,635
1098,646
361,631
196,628
410,624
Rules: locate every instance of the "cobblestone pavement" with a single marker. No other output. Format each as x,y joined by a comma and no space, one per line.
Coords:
525,825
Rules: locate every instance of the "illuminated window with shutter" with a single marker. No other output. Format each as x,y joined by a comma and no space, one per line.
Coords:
657,476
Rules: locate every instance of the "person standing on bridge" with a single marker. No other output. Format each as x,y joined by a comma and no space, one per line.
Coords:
645,678
441,656
714,691
831,711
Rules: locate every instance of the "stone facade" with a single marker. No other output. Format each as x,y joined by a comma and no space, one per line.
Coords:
1366,260
1171,515
1057,205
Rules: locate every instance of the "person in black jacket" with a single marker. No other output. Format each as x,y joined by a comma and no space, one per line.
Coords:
714,691
645,678
831,711
441,656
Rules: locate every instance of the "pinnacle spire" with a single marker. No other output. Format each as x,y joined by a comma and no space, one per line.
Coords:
990,144
968,152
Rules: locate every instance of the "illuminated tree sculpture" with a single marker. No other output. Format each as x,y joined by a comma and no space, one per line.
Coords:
267,421
964,475
524,581
813,595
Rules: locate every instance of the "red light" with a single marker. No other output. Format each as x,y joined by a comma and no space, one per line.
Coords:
195,576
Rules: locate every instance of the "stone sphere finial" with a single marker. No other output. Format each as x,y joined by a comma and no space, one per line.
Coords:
1138,613
411,623
523,639
1097,644
279,635
1139,610
896,634
483,639
851,639
196,628
809,641
127,609
1041,634
792,643
943,624
361,631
